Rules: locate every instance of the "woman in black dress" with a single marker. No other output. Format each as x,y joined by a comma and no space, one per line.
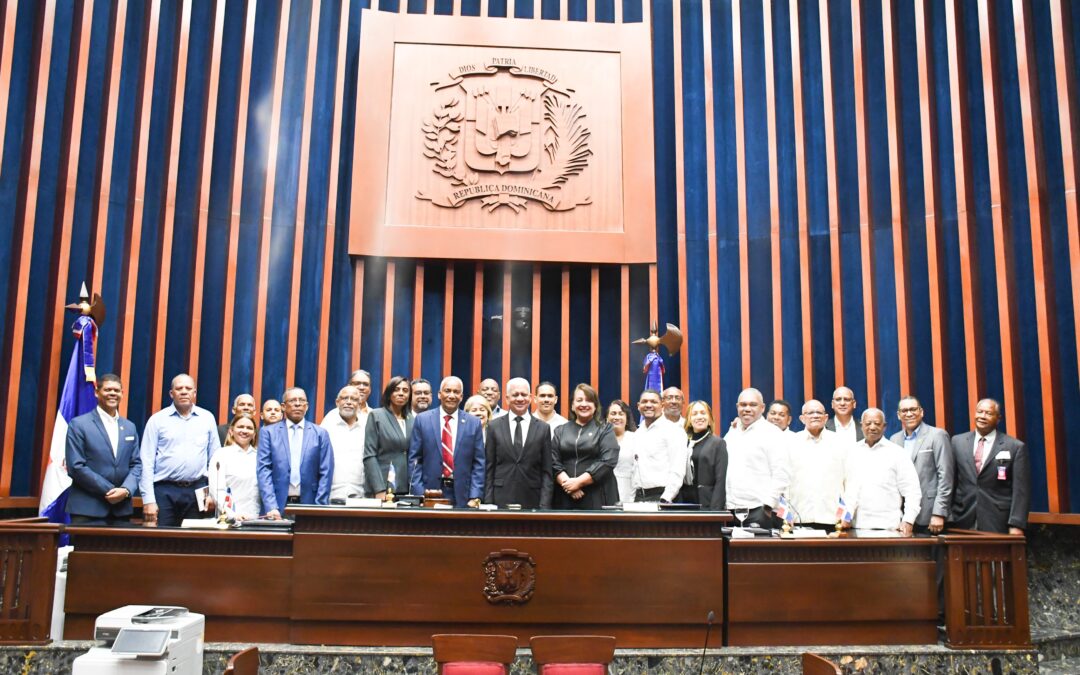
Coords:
584,454
706,474
386,440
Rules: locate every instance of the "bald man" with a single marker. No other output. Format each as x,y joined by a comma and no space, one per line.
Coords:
843,422
758,470
446,449
244,404
518,448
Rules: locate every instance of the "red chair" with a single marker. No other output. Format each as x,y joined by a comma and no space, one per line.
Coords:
245,662
573,654
474,654
812,664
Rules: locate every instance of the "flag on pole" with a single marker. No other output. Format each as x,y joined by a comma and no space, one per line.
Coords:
843,513
76,399
784,511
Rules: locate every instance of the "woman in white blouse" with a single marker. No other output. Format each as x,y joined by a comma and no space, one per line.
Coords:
232,469
621,419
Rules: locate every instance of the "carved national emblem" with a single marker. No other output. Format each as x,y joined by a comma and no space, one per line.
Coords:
509,577
505,134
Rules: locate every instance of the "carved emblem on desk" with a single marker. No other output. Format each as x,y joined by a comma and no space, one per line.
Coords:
505,134
509,577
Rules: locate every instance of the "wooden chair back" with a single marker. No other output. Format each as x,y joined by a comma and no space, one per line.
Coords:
813,664
244,662
450,648
581,649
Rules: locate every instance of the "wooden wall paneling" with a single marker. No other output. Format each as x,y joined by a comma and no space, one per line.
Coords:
483,7
209,130
680,194
1057,475
68,173
710,214
358,313
534,372
893,112
448,323
235,194
388,322
932,198
564,10
301,203
801,188
477,331
773,160
618,18
135,199
26,209
1068,98
507,324
594,326
9,11
624,329
173,126
962,172
272,141
831,189
418,321
1002,227
564,347
740,163
866,231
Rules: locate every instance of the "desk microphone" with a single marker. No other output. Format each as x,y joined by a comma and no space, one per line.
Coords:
708,628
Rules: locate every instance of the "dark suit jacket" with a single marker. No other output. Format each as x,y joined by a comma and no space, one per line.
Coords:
831,426
984,502
385,445
933,460
272,466
93,469
425,456
513,477
710,474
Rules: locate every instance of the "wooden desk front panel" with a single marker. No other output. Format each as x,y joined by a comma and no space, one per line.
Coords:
831,592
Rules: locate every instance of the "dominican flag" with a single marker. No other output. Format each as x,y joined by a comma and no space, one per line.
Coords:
76,399
843,513
784,511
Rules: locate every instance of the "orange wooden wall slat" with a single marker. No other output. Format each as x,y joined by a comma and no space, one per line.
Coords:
418,321
534,372
301,202
594,326
10,10
478,328
358,312
273,138
564,347
237,183
1057,478
209,113
680,191
448,322
800,196
624,332
866,233
388,322
507,324
27,208
831,190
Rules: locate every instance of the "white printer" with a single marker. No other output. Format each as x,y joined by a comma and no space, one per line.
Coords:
145,639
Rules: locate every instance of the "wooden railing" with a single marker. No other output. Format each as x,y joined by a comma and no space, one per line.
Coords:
986,597
27,579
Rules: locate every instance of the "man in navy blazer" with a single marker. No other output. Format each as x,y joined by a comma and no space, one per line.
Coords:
294,461
459,472
103,460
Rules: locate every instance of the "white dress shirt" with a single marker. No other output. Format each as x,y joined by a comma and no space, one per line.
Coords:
660,451
818,471
624,469
990,438
849,432
879,477
112,428
758,470
525,419
348,445
233,468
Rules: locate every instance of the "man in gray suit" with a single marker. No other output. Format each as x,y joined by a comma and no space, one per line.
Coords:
993,477
932,456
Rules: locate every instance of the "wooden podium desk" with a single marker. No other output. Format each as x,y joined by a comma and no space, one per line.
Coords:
396,577
239,580
831,591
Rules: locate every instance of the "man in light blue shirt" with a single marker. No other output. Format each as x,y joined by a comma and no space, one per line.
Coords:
176,446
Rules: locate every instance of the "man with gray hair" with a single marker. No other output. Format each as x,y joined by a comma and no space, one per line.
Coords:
930,450
446,449
243,404
881,478
818,468
758,472
518,454
295,461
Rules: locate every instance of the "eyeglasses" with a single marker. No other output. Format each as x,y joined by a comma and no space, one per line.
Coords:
815,413
908,411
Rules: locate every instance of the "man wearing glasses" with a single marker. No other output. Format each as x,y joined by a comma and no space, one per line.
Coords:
818,468
931,453
295,461
844,423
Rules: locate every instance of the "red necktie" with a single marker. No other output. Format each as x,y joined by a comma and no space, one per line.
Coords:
447,449
979,447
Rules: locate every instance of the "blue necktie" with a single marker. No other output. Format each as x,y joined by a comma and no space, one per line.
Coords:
296,445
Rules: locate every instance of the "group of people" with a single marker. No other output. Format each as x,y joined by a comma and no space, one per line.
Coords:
838,470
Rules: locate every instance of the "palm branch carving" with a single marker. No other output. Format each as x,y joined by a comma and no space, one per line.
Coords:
566,142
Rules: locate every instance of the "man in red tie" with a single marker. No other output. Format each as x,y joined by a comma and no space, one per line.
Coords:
993,477
446,449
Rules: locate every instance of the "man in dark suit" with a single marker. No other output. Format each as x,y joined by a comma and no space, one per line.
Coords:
993,477
295,461
933,460
103,460
518,449
446,449
843,421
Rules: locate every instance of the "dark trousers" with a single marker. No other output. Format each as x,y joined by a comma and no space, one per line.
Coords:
107,521
176,502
